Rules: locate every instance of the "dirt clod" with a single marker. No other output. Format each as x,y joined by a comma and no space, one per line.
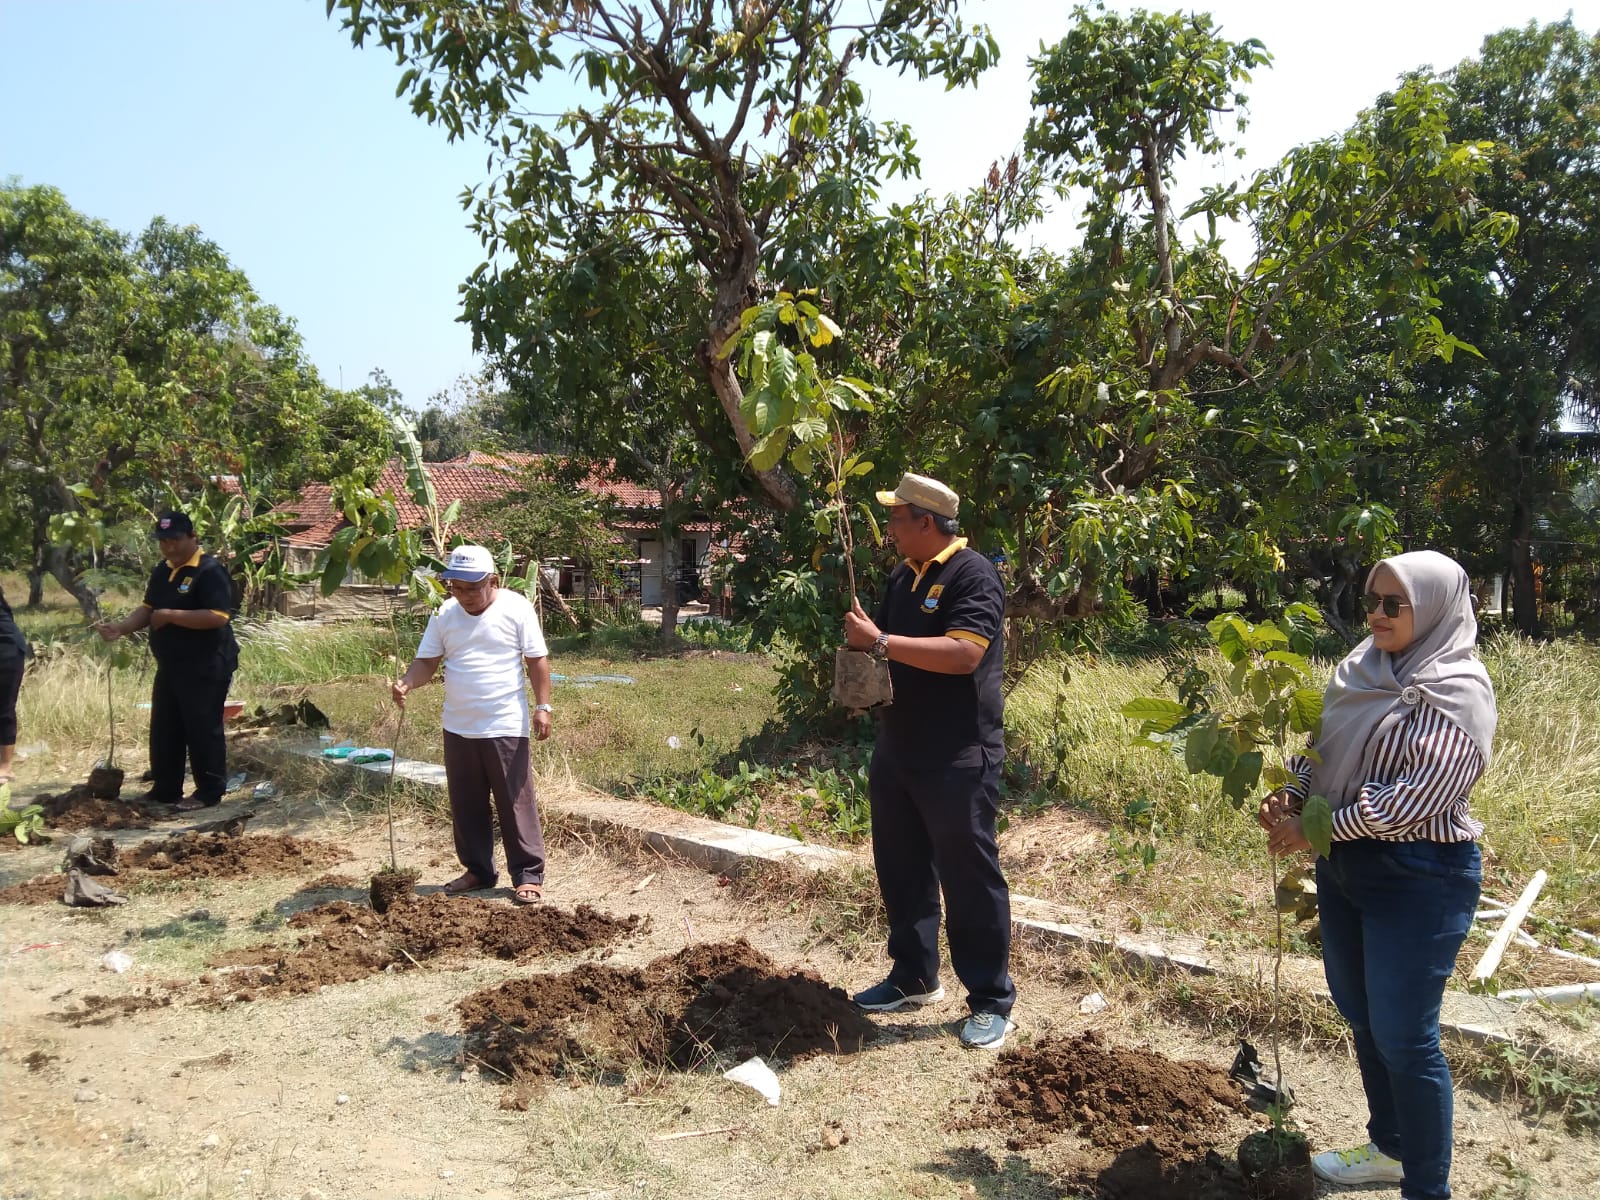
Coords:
1115,1097
76,808
41,889
725,999
1144,1173
102,1010
1276,1165
38,1060
388,888
217,856
345,942
194,856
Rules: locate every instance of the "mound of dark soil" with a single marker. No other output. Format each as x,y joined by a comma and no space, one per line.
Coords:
41,889
191,856
726,999
218,856
1115,1097
345,942
76,809
1144,1173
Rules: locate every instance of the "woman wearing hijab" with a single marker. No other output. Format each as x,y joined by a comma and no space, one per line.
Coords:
1407,726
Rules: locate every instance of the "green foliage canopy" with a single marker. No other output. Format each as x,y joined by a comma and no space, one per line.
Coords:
129,366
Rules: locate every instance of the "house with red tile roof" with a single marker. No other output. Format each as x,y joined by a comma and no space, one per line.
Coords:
313,518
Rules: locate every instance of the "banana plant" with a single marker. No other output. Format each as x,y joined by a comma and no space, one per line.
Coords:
248,543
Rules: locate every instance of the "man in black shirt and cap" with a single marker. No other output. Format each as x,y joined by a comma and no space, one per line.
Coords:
187,607
935,774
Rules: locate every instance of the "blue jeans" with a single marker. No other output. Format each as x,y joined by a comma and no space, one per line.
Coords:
1394,915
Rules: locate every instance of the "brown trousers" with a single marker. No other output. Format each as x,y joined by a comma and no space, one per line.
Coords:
476,769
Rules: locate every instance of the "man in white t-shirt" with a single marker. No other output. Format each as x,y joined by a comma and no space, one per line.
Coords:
487,637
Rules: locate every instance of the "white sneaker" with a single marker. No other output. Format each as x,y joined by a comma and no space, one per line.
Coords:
1363,1164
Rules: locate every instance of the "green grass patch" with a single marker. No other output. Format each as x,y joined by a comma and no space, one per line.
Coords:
678,716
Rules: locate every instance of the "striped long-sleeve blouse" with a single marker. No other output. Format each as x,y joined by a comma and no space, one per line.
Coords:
1423,771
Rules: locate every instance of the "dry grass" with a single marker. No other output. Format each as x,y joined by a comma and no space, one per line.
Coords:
1539,802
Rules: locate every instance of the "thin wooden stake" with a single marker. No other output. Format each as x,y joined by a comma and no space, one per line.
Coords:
693,1133
484,1065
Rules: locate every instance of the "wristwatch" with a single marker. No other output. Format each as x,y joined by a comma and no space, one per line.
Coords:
880,648
542,708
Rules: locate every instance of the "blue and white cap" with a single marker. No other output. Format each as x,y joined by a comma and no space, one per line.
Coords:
469,564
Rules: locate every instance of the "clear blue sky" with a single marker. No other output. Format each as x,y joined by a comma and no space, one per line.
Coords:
259,122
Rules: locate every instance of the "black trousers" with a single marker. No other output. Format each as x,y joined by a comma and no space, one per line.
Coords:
10,685
934,829
186,720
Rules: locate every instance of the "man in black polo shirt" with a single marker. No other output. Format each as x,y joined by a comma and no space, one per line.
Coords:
186,608
935,771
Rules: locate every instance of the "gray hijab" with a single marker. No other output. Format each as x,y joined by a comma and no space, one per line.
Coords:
1373,690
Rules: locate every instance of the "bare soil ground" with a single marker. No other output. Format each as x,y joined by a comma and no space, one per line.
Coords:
418,1072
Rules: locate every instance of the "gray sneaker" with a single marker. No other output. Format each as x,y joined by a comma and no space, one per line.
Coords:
886,997
985,1031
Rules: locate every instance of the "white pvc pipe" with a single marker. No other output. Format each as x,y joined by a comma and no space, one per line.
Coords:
1571,993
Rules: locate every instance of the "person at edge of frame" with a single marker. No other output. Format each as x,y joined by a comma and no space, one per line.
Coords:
13,659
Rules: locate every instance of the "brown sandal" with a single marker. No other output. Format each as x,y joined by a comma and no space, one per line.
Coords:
465,882
528,893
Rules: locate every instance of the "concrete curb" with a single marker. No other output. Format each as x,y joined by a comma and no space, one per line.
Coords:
726,848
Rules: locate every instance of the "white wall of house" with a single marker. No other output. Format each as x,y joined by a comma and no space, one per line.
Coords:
650,573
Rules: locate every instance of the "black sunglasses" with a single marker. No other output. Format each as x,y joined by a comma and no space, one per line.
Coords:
1391,605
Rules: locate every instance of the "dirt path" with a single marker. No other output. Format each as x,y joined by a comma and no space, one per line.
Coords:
358,1089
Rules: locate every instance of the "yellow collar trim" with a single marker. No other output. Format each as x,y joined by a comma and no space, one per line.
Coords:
172,573
944,556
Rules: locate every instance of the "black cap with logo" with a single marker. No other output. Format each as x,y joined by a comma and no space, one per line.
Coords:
173,524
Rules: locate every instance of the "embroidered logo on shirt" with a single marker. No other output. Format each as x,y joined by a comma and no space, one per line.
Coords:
930,602
183,588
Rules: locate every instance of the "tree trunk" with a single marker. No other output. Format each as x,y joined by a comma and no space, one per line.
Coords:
37,572
1336,611
552,594
1524,600
733,297
671,559
58,561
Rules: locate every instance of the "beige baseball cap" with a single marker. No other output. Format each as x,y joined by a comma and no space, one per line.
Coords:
924,493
